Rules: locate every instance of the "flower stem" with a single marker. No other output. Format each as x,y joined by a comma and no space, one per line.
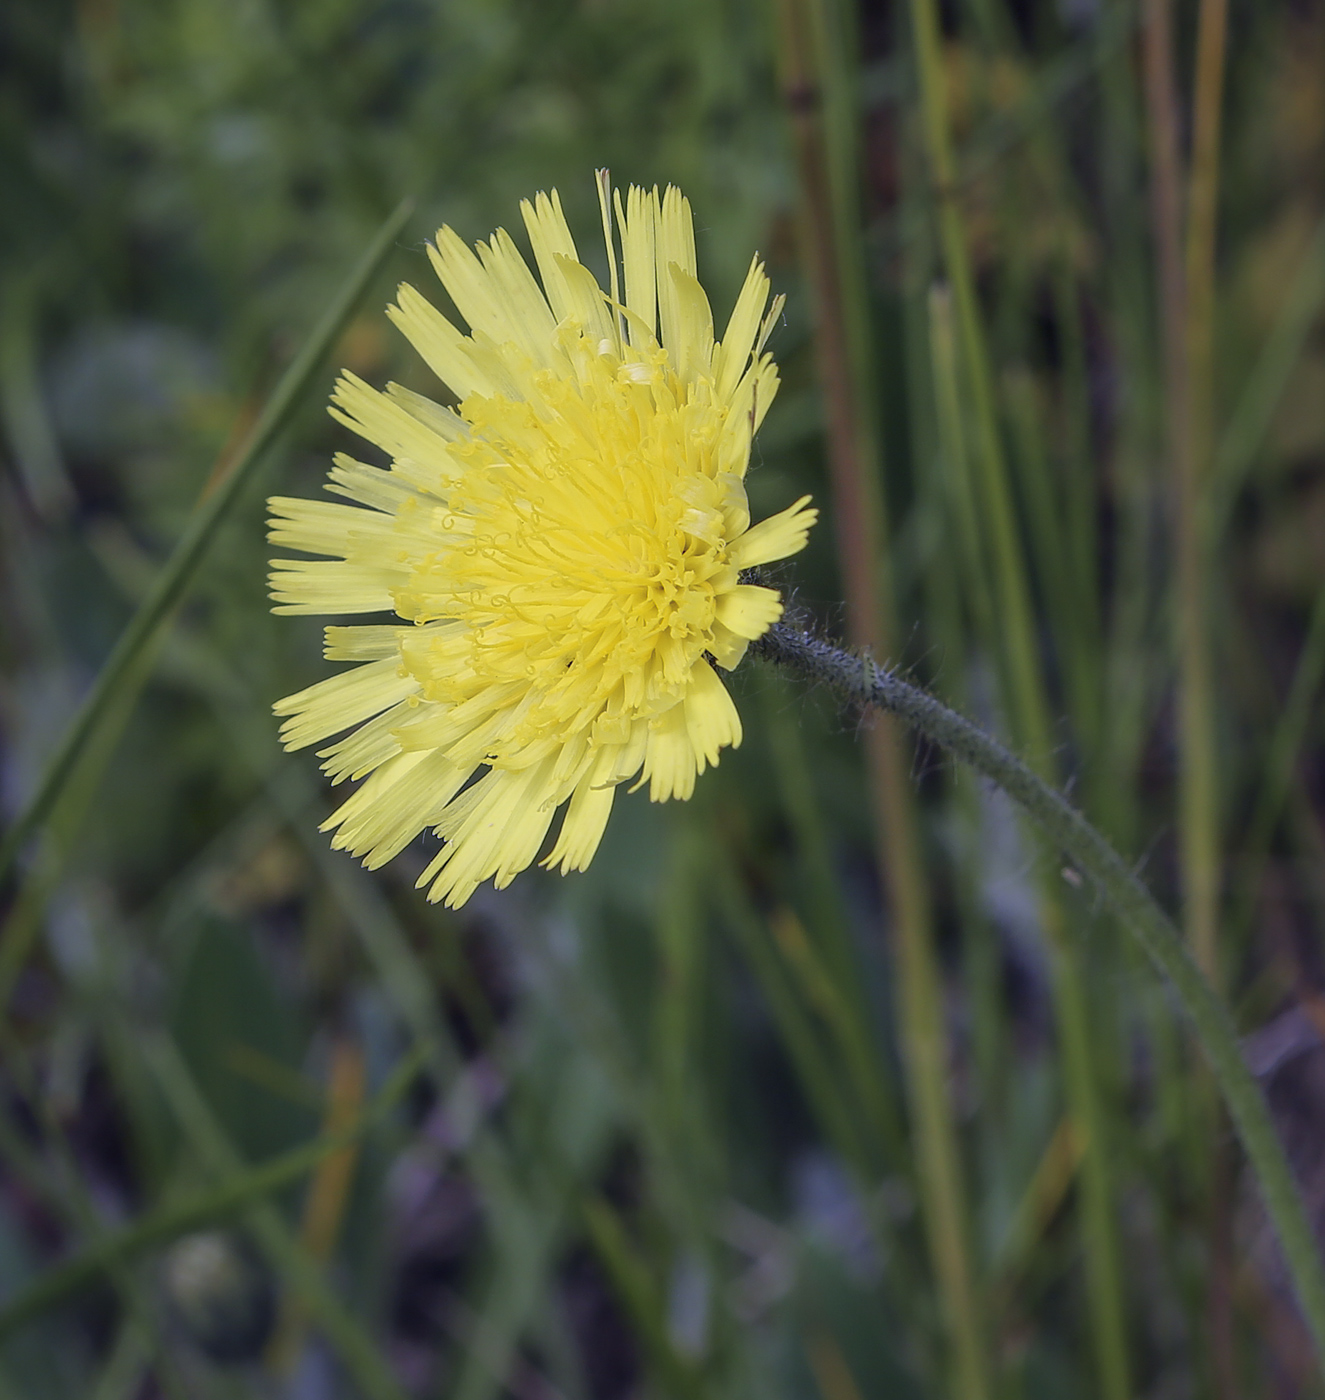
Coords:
862,680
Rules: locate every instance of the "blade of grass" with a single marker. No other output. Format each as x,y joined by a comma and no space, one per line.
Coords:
813,1066
191,1212
1128,683
298,1269
180,570
1027,705
850,1034
641,1298
796,789
820,87
33,444
513,1293
126,1365
1249,424
1198,820
1198,778
328,1194
57,1180
1277,771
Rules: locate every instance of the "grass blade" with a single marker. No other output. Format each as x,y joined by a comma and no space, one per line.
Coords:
180,570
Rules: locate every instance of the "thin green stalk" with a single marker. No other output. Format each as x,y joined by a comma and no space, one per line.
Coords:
125,1368
180,570
860,680
191,1212
819,81
1197,789
1128,683
955,454
931,344
1028,706
23,922
299,1270
796,789
1277,772
1249,423
58,1185
640,1296
813,1067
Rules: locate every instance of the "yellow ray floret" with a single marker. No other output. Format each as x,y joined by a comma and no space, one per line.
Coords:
562,553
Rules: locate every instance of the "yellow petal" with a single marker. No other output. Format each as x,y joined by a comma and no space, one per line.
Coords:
468,285
550,237
585,296
777,537
712,722
386,423
493,828
689,336
638,223
370,486
670,763
444,350
445,423
738,339
403,797
749,610
334,586
726,648
675,245
347,698
582,827
372,643
323,527
529,320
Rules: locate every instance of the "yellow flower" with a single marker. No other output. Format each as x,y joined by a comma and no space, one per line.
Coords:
564,548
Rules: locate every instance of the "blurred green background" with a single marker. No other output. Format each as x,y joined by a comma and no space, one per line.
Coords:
271,1126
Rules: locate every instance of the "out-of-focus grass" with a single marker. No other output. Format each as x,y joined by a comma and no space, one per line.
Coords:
656,1137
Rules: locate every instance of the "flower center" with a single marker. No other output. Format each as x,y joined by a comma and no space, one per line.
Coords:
591,546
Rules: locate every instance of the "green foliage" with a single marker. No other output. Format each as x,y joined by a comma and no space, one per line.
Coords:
642,1130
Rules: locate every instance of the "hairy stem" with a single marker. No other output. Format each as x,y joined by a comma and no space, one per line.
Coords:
860,679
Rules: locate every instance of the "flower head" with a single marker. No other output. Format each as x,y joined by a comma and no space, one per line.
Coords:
562,551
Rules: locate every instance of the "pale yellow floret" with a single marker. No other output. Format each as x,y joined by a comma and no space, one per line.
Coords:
445,351
388,424
638,222
777,537
371,643
562,551
303,586
342,700
550,238
749,610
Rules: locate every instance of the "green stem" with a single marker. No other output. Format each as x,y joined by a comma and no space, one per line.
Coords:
1277,771
862,680
200,1208
182,566
299,1270
1016,643
819,81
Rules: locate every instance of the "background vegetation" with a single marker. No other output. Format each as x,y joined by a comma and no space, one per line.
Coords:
270,1126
